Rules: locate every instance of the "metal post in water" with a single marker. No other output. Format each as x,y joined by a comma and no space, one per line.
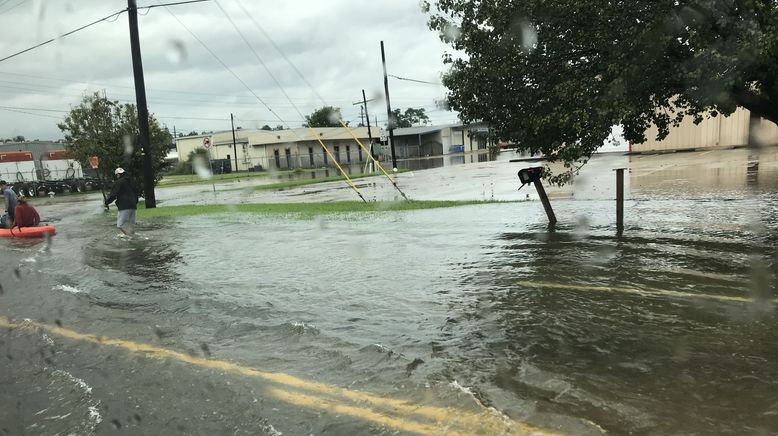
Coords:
620,201
546,204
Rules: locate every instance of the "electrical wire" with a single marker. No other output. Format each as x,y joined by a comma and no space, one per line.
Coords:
414,80
116,14
254,94
14,6
218,59
300,74
283,91
30,113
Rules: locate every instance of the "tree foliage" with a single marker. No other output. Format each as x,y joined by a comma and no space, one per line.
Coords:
554,75
266,127
109,130
326,116
411,117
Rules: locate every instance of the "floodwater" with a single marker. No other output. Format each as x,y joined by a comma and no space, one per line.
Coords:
453,313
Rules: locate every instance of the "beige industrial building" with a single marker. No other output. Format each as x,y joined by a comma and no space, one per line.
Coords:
300,147
738,129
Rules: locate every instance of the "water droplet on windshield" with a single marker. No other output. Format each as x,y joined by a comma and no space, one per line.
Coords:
451,32
525,34
334,117
176,53
201,167
128,145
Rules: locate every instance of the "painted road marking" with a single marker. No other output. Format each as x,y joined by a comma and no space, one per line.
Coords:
394,413
645,292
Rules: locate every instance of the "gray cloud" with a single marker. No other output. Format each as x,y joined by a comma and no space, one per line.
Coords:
335,44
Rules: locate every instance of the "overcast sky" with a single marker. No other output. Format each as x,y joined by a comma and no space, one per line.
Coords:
334,43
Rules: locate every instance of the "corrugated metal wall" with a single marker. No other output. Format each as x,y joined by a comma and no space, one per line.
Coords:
711,133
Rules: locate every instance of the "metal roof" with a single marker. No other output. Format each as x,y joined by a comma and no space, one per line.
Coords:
423,130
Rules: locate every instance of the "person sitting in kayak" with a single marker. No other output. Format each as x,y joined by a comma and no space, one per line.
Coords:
9,197
24,214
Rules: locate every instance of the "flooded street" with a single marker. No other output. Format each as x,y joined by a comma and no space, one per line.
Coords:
467,320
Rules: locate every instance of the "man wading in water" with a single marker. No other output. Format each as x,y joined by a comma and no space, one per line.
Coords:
126,202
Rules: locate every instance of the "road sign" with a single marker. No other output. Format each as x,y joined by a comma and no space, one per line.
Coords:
207,142
383,135
93,162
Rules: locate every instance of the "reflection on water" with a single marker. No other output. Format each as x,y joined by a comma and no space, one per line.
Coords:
722,172
656,332
414,164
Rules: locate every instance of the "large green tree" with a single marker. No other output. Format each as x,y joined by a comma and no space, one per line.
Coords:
411,117
109,130
554,75
326,116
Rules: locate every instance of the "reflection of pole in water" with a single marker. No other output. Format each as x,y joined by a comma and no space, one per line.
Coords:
752,170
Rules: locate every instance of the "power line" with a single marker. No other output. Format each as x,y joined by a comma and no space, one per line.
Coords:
173,4
262,62
278,49
30,113
116,14
223,64
156,90
414,80
14,6
32,109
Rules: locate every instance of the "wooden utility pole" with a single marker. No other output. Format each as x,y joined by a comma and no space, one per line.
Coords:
390,123
369,133
143,111
234,146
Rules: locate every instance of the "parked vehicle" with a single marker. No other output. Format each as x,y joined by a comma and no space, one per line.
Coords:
53,171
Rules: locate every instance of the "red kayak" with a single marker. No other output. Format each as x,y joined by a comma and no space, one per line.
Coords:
28,232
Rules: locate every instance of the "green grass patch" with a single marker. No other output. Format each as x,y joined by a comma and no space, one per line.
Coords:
303,182
302,209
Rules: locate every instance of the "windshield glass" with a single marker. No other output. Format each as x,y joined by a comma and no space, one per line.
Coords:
390,217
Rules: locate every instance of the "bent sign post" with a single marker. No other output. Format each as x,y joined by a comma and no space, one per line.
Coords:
533,175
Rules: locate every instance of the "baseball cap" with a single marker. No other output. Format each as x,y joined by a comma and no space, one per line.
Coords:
118,171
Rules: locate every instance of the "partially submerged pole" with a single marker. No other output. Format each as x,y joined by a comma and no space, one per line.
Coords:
619,201
546,203
533,175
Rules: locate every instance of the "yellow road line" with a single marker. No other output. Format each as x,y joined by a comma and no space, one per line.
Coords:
357,412
486,422
638,291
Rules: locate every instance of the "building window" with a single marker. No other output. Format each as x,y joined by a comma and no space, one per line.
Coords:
288,154
277,157
337,154
310,155
348,154
324,154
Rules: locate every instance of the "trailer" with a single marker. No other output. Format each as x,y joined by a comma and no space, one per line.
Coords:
18,169
54,172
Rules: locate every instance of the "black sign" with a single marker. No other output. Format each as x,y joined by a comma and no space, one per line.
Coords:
529,175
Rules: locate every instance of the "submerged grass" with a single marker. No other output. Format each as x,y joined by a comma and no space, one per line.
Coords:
301,209
300,182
